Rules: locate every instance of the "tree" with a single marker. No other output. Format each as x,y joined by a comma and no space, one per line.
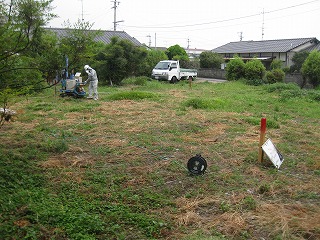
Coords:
21,25
210,60
120,59
298,59
311,68
79,45
152,58
235,69
176,52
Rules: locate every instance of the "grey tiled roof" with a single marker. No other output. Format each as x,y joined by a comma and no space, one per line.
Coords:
314,47
266,46
104,37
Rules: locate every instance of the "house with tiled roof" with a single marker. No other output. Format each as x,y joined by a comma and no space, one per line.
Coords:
103,36
268,50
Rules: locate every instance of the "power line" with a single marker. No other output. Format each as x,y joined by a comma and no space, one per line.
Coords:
224,20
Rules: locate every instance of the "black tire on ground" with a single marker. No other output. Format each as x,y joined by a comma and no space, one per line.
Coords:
197,165
174,79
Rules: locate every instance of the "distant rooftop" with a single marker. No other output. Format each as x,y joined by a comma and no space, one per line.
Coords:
104,37
281,45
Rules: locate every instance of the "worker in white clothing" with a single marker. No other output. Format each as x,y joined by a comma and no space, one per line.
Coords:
93,82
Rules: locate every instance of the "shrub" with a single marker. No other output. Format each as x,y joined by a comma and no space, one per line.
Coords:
210,60
253,82
311,68
282,86
276,64
254,69
140,81
235,69
275,75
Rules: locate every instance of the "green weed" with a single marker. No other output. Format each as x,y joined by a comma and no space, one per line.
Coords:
202,103
133,95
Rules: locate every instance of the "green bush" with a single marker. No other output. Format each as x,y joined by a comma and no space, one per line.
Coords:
281,87
254,69
275,75
210,59
276,64
314,95
253,82
311,68
140,81
235,69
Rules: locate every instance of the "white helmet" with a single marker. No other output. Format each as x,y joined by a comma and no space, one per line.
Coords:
86,67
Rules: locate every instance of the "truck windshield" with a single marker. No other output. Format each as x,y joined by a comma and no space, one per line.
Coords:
162,65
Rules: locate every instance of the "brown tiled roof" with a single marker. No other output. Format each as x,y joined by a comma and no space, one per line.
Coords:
104,37
282,45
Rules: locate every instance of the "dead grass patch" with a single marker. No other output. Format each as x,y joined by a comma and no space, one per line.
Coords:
229,223
290,219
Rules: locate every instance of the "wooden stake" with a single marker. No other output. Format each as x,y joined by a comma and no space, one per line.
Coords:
263,128
190,82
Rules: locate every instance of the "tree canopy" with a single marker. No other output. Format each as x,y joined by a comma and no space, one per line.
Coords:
210,60
120,59
20,29
311,68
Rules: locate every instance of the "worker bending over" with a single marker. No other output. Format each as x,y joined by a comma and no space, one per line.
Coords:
93,82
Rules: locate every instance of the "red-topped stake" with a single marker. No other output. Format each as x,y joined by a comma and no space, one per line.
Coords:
263,128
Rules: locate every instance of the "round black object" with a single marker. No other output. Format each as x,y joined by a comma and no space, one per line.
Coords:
197,165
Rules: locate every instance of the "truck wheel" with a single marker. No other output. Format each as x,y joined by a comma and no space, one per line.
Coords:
174,80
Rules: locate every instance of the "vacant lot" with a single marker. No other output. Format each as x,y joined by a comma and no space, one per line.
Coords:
116,168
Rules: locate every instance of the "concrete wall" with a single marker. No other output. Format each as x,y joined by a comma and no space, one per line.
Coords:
212,73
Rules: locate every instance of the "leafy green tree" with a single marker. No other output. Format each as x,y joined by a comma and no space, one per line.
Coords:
210,60
311,68
235,69
79,45
298,59
176,52
153,57
21,24
120,59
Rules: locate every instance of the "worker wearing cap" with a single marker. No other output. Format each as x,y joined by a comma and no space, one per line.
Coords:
93,82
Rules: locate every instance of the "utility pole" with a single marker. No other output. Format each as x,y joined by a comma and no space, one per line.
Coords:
149,36
241,36
188,47
155,41
262,24
115,5
82,18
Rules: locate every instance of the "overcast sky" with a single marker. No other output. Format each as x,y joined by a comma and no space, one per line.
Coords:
202,24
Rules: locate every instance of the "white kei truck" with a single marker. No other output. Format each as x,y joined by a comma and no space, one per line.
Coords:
169,70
